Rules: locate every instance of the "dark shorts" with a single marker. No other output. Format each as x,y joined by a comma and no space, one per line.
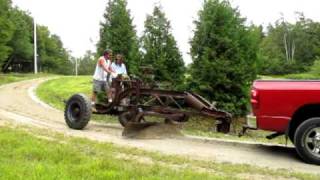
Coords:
99,86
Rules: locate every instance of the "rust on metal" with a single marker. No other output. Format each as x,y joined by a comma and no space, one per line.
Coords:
144,100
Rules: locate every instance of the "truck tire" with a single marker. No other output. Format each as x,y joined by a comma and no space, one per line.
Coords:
78,111
307,140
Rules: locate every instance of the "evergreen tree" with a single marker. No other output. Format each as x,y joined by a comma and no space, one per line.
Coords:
161,49
118,33
224,54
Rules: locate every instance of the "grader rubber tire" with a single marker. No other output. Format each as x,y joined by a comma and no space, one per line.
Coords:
78,111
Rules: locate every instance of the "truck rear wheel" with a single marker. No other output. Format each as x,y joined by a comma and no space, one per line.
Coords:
307,140
78,111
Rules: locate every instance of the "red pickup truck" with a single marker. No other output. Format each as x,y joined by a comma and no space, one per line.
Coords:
291,108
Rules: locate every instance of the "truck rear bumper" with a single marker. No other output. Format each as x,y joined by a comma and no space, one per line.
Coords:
251,122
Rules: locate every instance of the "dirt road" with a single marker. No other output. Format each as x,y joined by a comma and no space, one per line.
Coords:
19,105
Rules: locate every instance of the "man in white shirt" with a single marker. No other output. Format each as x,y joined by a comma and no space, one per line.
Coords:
103,67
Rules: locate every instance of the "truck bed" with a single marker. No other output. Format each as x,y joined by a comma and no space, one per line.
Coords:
287,84
276,101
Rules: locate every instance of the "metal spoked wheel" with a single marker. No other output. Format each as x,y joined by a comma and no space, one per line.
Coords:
130,116
307,140
312,141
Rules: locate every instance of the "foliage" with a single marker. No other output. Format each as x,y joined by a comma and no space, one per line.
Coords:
16,44
87,64
224,53
161,49
22,40
315,68
6,30
290,47
53,58
118,33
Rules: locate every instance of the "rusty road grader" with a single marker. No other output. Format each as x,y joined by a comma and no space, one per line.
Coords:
134,100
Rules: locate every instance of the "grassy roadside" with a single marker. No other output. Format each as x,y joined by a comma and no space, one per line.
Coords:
14,77
301,76
55,91
36,154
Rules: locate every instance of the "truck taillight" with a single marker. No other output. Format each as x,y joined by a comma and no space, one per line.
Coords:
254,100
254,94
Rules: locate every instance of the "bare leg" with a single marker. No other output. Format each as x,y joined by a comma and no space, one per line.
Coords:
94,97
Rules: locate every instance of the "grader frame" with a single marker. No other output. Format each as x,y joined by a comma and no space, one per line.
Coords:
134,100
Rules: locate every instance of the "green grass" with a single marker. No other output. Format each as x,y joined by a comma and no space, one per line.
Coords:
198,126
301,76
35,154
55,91
15,77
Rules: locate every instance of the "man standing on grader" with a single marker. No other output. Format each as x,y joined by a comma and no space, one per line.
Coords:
105,72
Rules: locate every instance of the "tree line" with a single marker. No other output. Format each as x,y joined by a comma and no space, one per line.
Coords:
289,47
227,53
16,43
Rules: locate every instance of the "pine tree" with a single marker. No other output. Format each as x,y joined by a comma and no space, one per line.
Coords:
118,33
161,49
224,54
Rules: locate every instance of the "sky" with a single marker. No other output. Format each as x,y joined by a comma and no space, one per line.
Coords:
77,21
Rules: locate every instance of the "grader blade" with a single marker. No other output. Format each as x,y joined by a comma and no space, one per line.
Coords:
132,129
153,130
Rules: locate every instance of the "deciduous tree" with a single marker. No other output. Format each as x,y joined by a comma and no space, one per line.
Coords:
6,30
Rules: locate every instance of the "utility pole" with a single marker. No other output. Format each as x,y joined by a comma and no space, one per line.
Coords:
35,46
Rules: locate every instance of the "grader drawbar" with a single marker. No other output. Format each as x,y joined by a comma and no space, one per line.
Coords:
134,101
